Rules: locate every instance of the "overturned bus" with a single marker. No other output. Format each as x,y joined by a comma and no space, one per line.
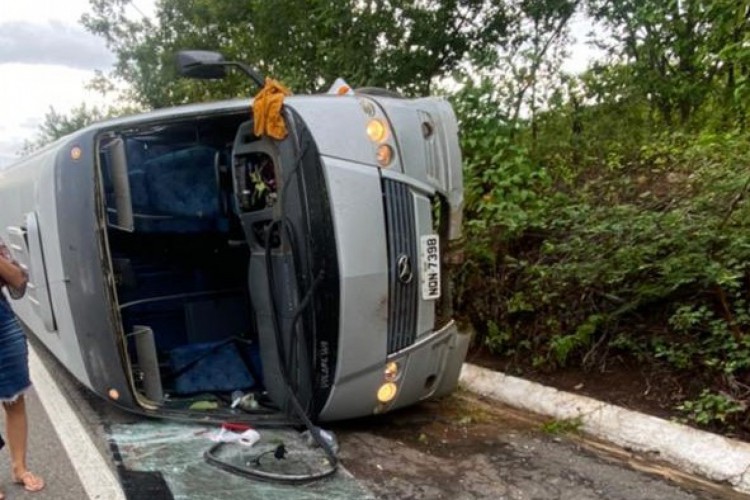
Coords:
177,257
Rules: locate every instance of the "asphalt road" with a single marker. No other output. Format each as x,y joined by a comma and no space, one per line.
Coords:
466,448
46,457
461,447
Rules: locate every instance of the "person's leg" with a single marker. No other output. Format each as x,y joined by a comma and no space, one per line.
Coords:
2,445
16,426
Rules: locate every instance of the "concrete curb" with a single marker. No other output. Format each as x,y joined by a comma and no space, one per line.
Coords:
709,455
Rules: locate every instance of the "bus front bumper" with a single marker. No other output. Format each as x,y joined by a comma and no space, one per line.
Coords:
427,369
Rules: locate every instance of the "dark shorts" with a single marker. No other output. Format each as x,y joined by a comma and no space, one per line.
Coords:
14,355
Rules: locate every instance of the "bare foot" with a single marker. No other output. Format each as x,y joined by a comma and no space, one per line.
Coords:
30,481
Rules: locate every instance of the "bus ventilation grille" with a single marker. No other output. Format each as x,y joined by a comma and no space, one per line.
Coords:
403,264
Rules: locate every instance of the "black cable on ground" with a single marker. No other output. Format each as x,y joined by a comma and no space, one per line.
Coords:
210,455
256,473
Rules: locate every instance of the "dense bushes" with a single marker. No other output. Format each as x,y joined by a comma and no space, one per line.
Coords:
575,253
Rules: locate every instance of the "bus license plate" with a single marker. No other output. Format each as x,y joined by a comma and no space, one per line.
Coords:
430,257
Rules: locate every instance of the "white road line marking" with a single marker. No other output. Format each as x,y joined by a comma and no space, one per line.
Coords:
95,475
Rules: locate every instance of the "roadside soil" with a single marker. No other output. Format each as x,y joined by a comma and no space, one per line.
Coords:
650,389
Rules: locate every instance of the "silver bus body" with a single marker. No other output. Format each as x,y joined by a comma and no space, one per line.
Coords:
182,224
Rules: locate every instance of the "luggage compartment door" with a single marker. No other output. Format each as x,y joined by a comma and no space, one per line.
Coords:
27,248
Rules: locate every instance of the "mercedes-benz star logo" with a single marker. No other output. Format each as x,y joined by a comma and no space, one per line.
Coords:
405,273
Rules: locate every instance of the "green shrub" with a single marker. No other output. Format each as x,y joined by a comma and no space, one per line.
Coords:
649,256
710,408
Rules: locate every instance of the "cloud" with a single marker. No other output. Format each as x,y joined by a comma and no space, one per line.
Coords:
30,123
9,150
28,91
6,159
52,43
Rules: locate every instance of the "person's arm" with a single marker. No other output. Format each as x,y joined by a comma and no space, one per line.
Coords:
12,274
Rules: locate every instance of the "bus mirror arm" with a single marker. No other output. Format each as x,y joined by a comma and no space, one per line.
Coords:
254,75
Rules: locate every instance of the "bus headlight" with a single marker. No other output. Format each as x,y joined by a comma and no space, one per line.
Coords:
381,135
387,392
377,130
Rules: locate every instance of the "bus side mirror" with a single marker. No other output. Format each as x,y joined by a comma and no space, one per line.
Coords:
201,64
207,65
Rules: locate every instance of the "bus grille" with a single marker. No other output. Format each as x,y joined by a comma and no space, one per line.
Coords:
433,150
403,265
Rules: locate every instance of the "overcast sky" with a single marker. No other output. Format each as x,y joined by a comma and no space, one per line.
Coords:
46,59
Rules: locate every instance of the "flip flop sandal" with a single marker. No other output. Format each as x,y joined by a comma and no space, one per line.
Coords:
30,481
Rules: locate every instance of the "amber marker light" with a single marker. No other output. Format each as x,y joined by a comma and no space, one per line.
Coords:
76,153
384,155
376,130
387,392
391,371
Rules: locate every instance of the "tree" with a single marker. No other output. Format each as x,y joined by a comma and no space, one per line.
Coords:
678,50
730,42
401,44
56,125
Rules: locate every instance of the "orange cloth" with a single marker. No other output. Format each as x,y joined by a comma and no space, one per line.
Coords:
267,110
